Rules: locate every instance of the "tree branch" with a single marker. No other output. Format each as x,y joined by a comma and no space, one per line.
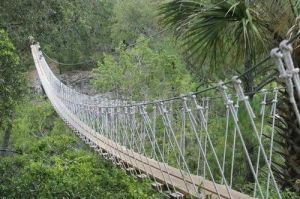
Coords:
11,151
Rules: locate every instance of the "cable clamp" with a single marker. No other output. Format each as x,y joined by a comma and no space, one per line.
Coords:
185,106
222,88
241,95
132,110
143,110
161,108
277,55
198,107
284,45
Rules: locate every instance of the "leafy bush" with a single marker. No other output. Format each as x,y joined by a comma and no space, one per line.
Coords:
143,73
56,164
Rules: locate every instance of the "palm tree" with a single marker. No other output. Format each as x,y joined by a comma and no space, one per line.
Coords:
212,32
288,173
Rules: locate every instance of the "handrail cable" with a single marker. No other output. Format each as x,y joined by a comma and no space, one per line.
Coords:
204,90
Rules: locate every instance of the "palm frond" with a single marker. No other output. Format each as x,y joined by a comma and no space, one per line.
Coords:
208,31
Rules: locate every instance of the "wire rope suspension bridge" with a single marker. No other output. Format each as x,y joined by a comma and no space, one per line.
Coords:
196,145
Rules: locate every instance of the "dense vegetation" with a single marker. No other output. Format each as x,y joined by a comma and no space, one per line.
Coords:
41,156
138,50
11,85
50,162
245,30
153,73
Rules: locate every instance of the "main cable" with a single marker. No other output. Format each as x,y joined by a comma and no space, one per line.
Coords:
204,90
290,41
126,47
66,64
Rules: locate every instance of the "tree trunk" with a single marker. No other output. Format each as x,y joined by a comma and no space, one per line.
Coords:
248,81
6,140
249,175
289,132
249,78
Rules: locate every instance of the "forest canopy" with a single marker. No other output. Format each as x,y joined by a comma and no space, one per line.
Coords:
138,51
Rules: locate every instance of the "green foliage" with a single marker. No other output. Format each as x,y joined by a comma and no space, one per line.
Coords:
222,36
133,18
210,29
55,164
37,120
143,73
69,30
287,194
11,77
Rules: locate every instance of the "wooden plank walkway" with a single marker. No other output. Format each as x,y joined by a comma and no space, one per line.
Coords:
160,171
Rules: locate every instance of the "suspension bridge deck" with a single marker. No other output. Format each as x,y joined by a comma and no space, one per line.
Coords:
179,179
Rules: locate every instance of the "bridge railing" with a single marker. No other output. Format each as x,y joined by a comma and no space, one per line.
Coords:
217,141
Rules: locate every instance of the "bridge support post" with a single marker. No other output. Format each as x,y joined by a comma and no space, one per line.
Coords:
177,195
141,177
158,186
130,170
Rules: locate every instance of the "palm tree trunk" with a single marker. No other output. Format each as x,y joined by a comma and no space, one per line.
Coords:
289,132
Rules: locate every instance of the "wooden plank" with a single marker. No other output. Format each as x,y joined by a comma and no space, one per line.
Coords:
160,171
